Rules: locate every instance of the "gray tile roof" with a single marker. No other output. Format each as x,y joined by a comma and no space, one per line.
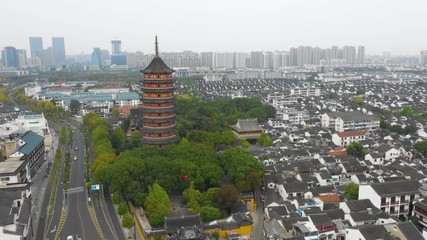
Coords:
246,125
157,66
409,231
396,188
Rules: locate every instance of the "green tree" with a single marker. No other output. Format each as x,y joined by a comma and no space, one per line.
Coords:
116,198
421,147
356,149
225,197
118,137
351,192
245,143
210,213
127,222
157,205
75,106
122,209
115,112
357,100
242,168
265,140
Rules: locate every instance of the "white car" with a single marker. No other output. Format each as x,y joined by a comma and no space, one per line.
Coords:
75,158
70,237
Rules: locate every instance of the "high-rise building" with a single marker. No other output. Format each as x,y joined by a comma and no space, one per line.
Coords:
105,57
96,57
47,57
116,47
361,55
293,57
240,60
223,60
257,59
58,47
21,55
117,57
10,57
207,59
423,58
36,46
349,54
159,124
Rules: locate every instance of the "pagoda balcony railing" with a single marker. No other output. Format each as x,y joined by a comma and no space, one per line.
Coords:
158,80
157,120
158,100
158,110
144,98
159,88
161,140
385,203
157,131
159,127
159,117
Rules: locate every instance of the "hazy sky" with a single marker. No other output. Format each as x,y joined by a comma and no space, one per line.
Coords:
398,26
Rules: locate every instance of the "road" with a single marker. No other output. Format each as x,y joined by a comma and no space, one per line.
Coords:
87,220
78,222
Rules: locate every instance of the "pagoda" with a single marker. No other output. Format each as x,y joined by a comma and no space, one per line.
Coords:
158,109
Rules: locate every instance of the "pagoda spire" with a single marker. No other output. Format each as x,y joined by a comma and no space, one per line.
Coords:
157,47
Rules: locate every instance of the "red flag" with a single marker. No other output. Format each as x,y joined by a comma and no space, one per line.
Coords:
184,177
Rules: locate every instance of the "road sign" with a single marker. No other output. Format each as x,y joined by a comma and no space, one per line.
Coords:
94,187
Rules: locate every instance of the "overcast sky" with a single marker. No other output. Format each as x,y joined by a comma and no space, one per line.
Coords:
398,26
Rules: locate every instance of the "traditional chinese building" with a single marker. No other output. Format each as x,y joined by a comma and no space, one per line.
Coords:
158,110
248,129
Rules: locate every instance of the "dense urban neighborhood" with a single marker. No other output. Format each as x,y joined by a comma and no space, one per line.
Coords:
337,152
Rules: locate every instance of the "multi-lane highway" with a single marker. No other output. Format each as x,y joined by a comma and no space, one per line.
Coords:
78,216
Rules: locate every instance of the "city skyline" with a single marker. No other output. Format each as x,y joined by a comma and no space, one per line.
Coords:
240,26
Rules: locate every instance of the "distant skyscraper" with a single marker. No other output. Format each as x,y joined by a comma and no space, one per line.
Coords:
423,58
257,59
22,57
47,57
207,59
293,57
58,47
349,54
116,47
10,57
36,46
96,56
361,55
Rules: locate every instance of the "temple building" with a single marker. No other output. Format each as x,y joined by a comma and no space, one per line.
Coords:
248,129
158,110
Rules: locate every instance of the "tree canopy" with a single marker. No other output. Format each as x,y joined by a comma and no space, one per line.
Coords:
356,149
75,106
351,192
421,147
157,205
242,168
215,117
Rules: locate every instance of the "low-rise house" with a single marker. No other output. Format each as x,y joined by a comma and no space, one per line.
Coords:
388,152
324,178
15,217
345,121
348,137
295,189
394,197
31,148
128,99
403,230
